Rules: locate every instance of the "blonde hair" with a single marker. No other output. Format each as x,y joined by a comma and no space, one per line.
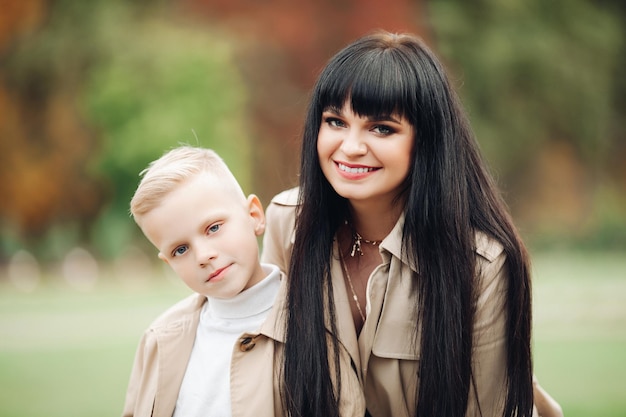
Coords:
172,169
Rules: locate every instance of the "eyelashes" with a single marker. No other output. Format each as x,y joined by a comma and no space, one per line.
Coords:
183,249
380,129
334,122
179,251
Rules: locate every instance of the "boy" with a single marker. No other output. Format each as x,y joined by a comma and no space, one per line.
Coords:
213,353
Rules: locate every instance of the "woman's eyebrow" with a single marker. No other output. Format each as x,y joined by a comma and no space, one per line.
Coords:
384,118
333,110
378,118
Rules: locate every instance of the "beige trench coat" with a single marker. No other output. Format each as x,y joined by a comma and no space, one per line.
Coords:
386,362
165,347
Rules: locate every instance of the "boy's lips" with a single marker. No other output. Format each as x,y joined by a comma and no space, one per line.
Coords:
217,272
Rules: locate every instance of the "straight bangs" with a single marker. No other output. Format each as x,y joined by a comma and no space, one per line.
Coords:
375,81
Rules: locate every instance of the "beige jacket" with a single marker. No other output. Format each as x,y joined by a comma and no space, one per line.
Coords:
386,362
165,347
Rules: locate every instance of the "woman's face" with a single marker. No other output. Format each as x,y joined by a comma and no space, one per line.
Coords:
364,159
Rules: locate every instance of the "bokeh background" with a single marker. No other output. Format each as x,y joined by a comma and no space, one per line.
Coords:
91,91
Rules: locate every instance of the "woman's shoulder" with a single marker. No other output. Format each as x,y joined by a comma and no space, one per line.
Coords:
280,218
281,212
487,246
286,198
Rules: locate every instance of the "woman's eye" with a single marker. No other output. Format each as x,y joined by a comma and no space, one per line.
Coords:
180,250
334,122
383,130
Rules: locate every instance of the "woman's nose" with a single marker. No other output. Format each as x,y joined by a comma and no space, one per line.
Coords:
353,143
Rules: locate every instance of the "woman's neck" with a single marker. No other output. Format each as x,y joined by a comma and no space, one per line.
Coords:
374,221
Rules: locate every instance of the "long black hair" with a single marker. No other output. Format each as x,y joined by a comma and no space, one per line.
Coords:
448,196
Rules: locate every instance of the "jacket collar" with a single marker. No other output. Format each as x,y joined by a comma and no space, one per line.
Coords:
392,246
274,325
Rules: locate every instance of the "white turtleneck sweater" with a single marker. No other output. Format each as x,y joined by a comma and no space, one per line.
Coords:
205,390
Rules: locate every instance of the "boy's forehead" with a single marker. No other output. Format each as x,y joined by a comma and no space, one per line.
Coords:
200,198
204,188
218,182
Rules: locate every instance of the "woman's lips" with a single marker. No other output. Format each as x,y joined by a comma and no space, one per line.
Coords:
354,169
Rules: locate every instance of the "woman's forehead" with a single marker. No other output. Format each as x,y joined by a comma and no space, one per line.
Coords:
346,108
371,107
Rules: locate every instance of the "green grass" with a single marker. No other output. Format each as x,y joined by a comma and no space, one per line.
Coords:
65,352
580,331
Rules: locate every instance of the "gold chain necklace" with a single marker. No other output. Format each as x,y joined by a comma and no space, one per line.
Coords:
354,296
356,243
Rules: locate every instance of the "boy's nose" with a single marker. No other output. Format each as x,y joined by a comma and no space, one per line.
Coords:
205,253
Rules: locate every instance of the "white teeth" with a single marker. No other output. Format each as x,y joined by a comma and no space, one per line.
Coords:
354,170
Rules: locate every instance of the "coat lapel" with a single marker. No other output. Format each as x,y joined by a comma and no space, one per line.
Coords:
175,342
345,325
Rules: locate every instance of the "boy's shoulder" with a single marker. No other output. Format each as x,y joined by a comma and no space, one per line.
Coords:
180,313
287,198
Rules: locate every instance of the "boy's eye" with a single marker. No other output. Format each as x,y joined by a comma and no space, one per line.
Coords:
214,228
180,250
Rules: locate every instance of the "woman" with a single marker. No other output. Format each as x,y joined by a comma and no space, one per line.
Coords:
399,248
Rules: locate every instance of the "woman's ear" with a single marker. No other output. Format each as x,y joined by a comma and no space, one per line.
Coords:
255,210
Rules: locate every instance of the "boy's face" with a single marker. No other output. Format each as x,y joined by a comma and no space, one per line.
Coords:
207,232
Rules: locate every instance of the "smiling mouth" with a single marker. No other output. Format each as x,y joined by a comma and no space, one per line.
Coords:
354,170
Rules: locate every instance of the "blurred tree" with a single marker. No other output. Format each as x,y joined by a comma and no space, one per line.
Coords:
169,84
617,129
99,91
285,45
44,146
540,82
91,91
19,18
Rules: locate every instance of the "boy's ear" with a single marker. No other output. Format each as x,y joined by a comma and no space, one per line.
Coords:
163,258
255,209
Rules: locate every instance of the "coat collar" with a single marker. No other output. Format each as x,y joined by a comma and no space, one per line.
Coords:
391,246
274,325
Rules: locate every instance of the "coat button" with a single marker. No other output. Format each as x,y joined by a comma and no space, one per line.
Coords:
247,344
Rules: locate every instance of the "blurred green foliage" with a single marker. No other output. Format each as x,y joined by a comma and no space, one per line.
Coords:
143,82
530,71
163,85
143,77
